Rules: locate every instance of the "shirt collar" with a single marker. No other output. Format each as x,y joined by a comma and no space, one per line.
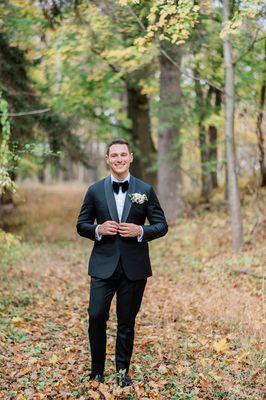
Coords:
127,178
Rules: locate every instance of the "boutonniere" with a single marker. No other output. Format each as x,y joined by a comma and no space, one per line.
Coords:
138,198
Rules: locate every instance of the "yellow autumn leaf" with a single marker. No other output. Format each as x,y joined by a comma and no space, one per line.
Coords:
221,346
17,321
150,34
151,18
244,357
54,359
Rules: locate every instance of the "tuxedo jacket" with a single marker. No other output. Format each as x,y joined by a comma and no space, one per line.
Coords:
99,205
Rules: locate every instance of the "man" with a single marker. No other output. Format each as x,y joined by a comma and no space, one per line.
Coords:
119,262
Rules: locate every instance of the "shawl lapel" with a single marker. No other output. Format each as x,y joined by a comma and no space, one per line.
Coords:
128,203
109,194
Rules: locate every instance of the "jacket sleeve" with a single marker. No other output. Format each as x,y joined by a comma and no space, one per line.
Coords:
86,218
158,226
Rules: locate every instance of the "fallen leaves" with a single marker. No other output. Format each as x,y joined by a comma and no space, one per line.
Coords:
203,381
54,359
189,342
94,395
162,369
105,391
23,372
221,346
17,321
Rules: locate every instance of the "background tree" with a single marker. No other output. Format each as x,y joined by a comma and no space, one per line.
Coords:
233,189
259,125
104,69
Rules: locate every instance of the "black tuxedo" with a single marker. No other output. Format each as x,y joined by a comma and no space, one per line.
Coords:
118,265
99,204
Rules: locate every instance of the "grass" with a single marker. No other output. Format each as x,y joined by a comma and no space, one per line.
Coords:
199,333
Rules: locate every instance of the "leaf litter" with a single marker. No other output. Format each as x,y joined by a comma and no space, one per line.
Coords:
199,334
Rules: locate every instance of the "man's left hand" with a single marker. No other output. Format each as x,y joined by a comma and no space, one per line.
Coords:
129,230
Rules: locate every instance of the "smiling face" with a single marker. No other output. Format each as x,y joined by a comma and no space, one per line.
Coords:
119,159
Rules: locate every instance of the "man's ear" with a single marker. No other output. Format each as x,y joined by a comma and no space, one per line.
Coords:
107,159
132,157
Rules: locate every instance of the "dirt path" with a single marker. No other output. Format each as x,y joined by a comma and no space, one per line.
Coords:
199,332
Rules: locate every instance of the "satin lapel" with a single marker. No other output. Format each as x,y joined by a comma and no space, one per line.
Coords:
128,202
109,194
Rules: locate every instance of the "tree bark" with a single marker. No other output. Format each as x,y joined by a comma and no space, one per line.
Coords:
139,113
213,150
233,189
169,145
259,131
204,156
213,157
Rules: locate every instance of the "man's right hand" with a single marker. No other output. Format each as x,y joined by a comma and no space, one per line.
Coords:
108,228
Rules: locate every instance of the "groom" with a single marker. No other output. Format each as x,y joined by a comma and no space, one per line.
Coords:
119,263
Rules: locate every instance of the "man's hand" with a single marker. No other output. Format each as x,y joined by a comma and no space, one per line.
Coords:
129,230
108,228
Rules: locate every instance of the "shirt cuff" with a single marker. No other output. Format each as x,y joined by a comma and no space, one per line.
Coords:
97,236
141,235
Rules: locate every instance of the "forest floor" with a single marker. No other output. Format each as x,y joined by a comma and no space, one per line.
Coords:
199,333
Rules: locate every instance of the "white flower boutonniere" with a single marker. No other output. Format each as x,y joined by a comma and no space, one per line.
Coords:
138,197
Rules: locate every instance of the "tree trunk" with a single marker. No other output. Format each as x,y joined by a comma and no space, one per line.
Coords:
169,145
259,131
139,113
213,150
41,174
204,159
212,153
68,171
233,189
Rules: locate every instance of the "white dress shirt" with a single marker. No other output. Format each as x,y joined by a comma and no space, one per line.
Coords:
120,198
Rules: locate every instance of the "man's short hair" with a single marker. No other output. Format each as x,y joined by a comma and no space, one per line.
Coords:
118,141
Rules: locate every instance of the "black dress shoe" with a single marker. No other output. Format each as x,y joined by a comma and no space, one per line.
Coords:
96,378
124,380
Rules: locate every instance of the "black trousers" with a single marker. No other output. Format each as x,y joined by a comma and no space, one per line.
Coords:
129,295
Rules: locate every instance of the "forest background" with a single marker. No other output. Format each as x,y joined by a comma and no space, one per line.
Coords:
184,82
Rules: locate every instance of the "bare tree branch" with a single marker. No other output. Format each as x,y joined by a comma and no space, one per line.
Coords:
33,112
17,92
250,47
112,66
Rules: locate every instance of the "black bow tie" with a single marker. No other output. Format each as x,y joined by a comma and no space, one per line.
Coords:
124,186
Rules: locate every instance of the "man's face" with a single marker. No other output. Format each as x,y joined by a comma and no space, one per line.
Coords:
119,159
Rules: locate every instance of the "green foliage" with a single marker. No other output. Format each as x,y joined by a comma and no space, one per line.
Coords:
27,168
79,60
242,12
171,21
11,248
23,31
6,155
